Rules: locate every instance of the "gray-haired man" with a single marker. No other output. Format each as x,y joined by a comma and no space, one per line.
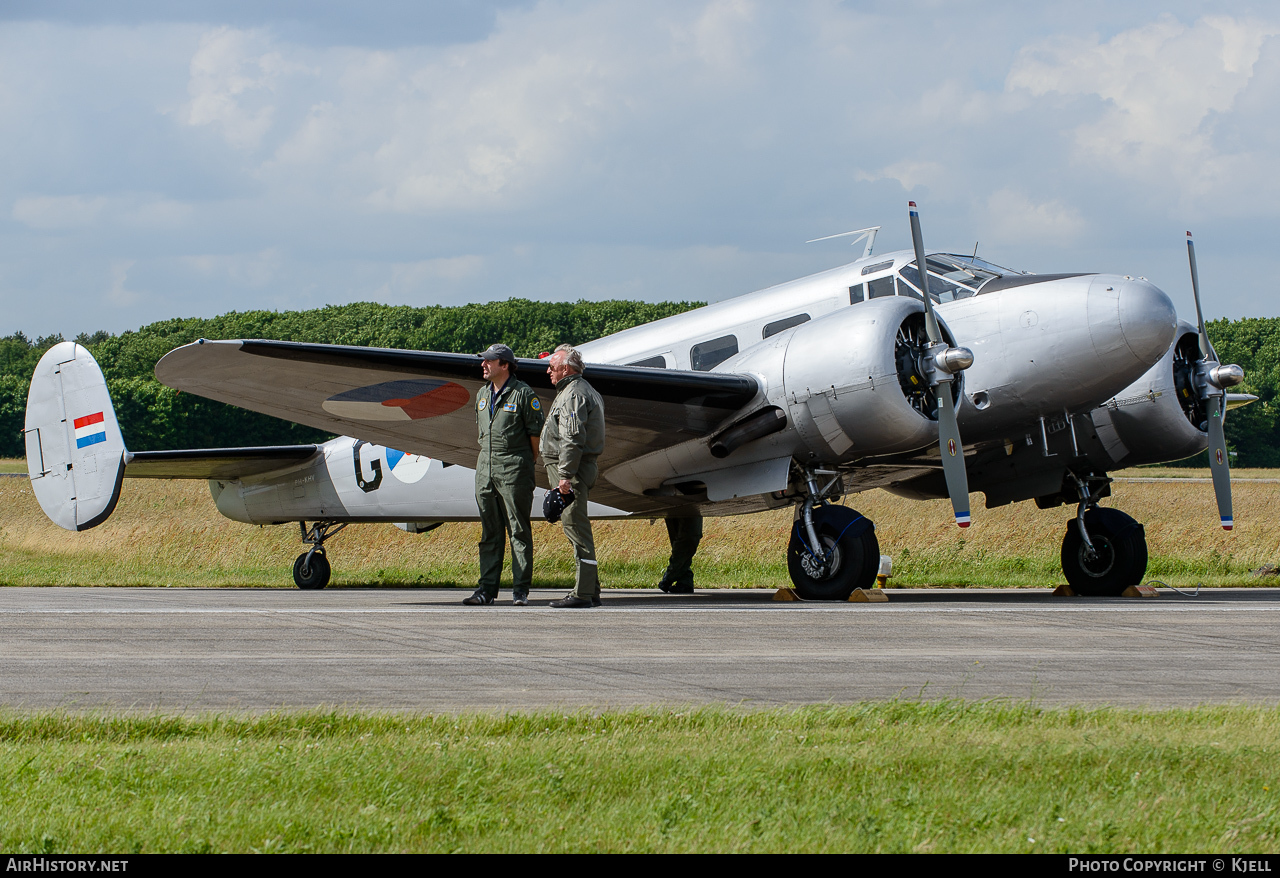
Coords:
572,439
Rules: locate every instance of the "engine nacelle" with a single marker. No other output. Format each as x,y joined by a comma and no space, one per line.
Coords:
853,382
1159,417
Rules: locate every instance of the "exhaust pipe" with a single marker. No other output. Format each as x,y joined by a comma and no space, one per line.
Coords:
757,426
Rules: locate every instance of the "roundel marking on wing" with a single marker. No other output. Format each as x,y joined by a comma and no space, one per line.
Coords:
408,468
409,400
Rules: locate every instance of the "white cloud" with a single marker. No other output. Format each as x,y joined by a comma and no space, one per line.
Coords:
651,149
117,294
252,270
57,212
1164,86
1013,219
232,84
75,212
909,174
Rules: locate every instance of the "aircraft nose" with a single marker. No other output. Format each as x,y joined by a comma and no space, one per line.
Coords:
1148,320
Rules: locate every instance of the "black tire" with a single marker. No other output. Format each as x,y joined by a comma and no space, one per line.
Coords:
1121,544
313,575
855,555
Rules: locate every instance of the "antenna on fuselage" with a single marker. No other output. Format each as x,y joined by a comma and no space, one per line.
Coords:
868,233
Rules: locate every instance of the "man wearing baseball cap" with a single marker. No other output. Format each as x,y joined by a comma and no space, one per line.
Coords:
510,419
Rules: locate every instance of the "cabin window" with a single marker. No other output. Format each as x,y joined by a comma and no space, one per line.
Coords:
658,362
856,294
881,286
786,323
706,356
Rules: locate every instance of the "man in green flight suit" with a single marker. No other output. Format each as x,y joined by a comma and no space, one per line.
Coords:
685,533
571,441
510,419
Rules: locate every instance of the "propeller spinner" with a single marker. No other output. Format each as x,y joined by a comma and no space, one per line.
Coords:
942,362
1211,379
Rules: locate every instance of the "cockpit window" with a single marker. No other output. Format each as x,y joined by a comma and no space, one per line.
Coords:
960,271
952,276
976,263
940,289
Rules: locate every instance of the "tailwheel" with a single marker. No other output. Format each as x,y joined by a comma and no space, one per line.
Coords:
1113,558
311,570
847,555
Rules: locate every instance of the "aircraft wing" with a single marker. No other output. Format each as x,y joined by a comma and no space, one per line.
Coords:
214,463
421,401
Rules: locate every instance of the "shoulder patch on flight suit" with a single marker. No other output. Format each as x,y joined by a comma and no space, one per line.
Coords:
535,405
480,404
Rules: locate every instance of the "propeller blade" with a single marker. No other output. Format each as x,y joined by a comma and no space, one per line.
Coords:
917,241
949,445
1206,349
952,456
1216,378
1219,465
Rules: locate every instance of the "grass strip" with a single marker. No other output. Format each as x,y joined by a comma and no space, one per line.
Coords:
887,777
169,533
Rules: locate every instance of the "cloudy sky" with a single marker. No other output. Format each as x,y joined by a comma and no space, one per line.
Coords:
165,159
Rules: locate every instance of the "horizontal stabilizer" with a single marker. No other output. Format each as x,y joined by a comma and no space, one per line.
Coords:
214,463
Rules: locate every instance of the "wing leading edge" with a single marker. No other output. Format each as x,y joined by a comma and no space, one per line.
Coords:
421,401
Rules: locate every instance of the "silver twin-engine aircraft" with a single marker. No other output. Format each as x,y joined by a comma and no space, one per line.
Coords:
864,376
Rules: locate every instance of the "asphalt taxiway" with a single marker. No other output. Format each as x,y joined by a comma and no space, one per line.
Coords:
195,650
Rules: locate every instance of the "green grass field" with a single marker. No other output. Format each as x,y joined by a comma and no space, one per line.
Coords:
891,777
897,776
170,534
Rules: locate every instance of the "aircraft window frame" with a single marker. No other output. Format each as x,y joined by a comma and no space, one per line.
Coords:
958,272
857,294
984,265
940,288
658,362
784,324
706,355
879,287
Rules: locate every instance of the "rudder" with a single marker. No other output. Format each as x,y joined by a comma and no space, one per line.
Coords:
75,453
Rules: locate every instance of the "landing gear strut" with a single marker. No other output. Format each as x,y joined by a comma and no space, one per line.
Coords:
833,549
1104,551
312,570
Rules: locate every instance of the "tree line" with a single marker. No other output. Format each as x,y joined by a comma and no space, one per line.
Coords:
154,417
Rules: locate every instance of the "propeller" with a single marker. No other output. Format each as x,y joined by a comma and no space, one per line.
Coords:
946,361
1212,378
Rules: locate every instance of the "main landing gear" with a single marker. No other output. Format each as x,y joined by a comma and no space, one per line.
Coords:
312,570
833,549
1104,551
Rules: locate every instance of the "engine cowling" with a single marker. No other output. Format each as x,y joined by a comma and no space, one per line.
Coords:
1160,417
854,383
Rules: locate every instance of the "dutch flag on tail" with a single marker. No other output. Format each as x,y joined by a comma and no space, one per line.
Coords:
90,430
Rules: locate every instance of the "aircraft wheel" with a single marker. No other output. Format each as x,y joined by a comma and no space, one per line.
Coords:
313,575
1121,545
852,551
